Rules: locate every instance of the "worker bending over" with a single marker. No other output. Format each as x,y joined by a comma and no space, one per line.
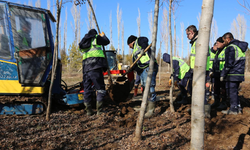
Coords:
182,75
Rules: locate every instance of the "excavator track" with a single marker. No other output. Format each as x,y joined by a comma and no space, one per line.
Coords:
22,105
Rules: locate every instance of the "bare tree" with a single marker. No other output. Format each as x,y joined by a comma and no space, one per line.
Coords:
54,8
245,5
171,56
55,59
239,27
166,32
48,4
139,23
123,42
38,3
213,33
150,21
139,123
75,14
174,8
65,30
30,3
182,38
110,27
91,23
197,113
119,17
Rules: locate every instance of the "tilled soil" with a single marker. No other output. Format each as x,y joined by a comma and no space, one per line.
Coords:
73,129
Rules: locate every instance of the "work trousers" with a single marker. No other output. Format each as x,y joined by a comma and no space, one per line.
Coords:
219,89
232,93
143,77
93,77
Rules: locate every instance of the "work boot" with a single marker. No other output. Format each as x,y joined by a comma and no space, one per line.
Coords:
207,110
99,107
88,108
135,92
150,109
183,100
222,106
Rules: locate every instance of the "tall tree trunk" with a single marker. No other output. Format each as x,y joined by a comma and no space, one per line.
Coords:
139,123
55,58
171,56
160,63
197,115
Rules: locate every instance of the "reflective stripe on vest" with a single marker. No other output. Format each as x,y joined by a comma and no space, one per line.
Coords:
192,57
239,55
184,68
212,56
136,53
94,50
221,58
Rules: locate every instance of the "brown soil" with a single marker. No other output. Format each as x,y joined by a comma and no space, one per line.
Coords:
73,129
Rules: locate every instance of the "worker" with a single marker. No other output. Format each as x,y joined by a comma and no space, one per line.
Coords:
216,68
192,35
139,44
233,71
182,75
24,40
93,66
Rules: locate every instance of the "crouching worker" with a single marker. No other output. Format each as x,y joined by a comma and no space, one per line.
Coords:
142,67
93,65
182,75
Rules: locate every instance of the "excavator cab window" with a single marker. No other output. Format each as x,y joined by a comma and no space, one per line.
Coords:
111,58
31,42
5,52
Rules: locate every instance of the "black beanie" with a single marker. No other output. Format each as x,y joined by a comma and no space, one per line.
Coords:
131,38
220,40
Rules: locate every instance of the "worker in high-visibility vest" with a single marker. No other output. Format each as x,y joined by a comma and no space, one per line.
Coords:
139,44
233,71
93,65
192,35
23,35
216,68
182,75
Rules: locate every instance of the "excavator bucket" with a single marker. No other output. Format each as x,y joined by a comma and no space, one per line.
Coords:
120,89
122,85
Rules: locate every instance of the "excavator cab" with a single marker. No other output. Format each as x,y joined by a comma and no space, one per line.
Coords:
26,48
32,43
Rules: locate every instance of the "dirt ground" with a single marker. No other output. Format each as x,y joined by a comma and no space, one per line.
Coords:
71,128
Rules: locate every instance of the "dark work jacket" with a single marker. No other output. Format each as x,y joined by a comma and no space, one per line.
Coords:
216,63
94,63
176,67
143,42
231,66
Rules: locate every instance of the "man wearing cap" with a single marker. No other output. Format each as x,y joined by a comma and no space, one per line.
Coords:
93,64
139,44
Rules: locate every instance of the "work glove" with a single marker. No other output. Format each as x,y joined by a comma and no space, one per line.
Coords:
170,82
101,34
221,79
211,74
